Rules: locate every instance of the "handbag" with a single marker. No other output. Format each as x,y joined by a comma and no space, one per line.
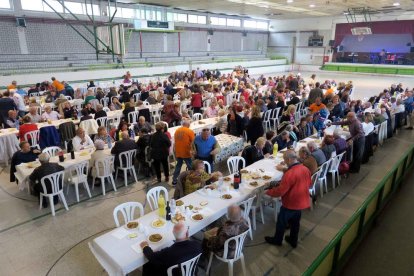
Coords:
343,167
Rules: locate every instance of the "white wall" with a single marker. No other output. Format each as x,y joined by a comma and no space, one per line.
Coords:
72,77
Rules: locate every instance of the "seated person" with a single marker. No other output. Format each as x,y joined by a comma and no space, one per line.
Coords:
215,238
254,153
293,132
328,146
206,146
43,170
197,177
24,155
128,109
221,125
316,152
103,135
306,158
283,140
142,124
142,143
151,98
50,114
123,145
34,116
340,143
90,109
100,112
96,155
268,147
81,140
12,121
68,111
26,127
172,114
123,126
85,115
181,251
317,106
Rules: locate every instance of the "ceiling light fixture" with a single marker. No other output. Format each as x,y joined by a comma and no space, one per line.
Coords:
311,5
396,4
289,1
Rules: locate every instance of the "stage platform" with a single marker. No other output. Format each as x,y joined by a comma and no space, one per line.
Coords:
390,69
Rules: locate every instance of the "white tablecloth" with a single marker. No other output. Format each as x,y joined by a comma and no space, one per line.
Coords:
9,144
121,255
229,145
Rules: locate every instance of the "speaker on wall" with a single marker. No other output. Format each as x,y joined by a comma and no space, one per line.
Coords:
331,43
20,22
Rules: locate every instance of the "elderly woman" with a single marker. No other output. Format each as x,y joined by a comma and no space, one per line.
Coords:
254,128
211,111
78,94
34,116
338,109
50,114
98,154
123,126
142,124
51,97
289,115
254,152
328,146
33,102
26,127
103,135
68,111
115,105
306,158
198,177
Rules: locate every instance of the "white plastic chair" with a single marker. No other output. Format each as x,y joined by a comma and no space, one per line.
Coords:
56,183
114,121
312,189
39,110
106,109
33,138
247,206
266,119
382,132
146,103
103,170
154,194
137,97
322,176
275,118
188,268
258,204
334,169
51,151
69,98
176,97
197,116
126,164
79,175
233,163
127,210
104,101
238,253
133,117
206,164
102,121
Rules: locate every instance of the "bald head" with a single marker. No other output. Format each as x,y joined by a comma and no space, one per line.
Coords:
290,157
350,115
234,213
180,231
125,134
185,123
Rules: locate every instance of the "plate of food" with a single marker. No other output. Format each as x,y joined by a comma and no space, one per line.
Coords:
255,175
226,196
31,165
254,184
227,178
197,217
155,238
244,171
201,123
12,129
132,225
158,223
266,177
177,218
179,203
84,153
210,187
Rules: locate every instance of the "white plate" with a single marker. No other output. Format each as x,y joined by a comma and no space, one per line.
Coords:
158,227
195,219
162,237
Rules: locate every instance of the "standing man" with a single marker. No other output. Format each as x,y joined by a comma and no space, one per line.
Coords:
206,146
315,93
294,191
357,139
183,140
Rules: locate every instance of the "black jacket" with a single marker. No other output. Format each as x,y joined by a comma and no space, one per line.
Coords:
251,155
122,146
100,114
239,126
177,253
160,144
41,172
254,129
6,104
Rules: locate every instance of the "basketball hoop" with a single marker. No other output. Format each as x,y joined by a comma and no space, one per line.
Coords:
360,37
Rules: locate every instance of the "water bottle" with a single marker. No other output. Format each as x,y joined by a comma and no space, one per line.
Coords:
109,141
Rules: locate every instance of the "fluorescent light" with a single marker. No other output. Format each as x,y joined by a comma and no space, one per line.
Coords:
289,1
396,4
311,5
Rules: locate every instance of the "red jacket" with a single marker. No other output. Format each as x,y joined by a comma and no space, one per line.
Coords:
25,128
197,100
294,188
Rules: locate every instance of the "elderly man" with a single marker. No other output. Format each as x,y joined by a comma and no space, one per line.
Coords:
306,158
100,112
81,140
142,124
19,101
181,251
125,144
50,114
339,142
12,121
45,169
315,93
6,104
206,146
183,138
24,155
294,191
316,152
283,140
357,138
34,116
215,238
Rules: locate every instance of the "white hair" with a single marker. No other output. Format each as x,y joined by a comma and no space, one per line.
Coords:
180,231
311,144
234,213
44,158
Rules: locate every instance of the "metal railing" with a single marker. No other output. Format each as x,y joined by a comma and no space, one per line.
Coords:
334,256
